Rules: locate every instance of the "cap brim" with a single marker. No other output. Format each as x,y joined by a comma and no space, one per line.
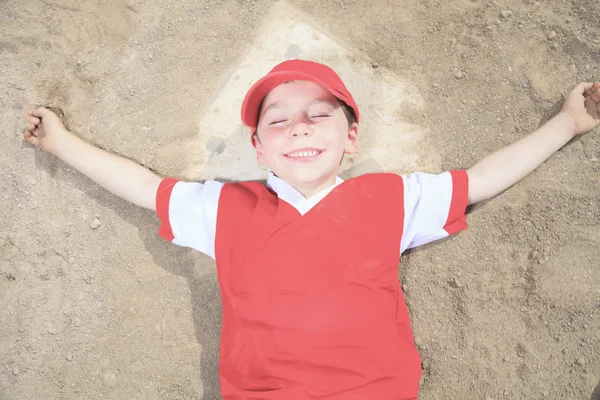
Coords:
260,89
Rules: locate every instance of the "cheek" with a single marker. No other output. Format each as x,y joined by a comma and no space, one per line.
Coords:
272,145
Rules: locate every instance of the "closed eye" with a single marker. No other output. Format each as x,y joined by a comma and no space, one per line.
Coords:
320,116
276,122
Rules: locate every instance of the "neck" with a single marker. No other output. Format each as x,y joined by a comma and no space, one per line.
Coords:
311,188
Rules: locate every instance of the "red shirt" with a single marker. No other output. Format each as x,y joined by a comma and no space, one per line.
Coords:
312,306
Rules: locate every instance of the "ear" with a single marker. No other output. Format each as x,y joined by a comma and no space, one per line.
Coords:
352,139
260,155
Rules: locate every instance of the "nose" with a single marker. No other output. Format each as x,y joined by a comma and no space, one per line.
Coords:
301,126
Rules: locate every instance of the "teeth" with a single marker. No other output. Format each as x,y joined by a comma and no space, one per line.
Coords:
311,153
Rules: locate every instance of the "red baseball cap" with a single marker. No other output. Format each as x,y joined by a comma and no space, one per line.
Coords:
292,70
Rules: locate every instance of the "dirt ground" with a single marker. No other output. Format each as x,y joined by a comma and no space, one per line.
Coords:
509,309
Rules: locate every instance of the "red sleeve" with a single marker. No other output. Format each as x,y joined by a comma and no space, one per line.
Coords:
163,198
457,220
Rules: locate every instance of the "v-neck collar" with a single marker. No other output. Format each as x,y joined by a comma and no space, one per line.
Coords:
290,195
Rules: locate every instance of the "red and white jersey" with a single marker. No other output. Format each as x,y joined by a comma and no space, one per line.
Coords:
312,306
188,210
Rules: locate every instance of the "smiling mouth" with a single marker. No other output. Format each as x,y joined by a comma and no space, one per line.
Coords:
304,153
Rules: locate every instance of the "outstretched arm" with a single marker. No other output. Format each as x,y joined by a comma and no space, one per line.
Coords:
502,169
118,175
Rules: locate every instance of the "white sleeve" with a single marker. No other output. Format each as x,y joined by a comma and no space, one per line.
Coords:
434,207
188,213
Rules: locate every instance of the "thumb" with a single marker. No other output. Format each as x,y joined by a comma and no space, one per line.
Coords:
583,87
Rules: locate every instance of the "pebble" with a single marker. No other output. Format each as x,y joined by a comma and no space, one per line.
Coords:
506,359
581,361
95,223
506,14
404,288
554,46
15,371
458,74
418,342
375,65
456,283
32,181
69,357
551,35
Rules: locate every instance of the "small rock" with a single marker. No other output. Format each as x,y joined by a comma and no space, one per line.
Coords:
454,282
581,361
15,371
95,223
458,74
506,14
551,35
69,357
375,65
506,359
32,181
404,288
554,46
534,254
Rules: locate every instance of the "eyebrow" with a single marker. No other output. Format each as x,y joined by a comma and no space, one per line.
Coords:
278,103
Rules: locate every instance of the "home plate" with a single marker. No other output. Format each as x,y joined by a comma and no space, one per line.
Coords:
386,142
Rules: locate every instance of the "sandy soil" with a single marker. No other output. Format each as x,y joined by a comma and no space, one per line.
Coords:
509,309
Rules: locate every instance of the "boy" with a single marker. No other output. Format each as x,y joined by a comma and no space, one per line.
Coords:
307,265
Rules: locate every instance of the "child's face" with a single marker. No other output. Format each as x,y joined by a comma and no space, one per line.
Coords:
303,134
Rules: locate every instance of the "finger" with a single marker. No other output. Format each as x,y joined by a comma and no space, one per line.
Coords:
583,87
40,112
31,127
34,120
595,95
31,139
592,90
